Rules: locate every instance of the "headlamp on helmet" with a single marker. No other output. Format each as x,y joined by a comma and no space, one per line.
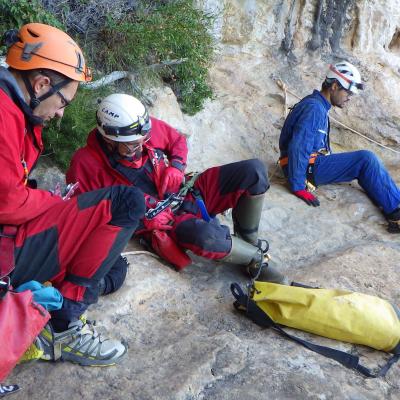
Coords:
119,133
123,118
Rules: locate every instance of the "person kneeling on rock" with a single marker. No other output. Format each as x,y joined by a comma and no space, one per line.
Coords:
306,157
44,236
131,148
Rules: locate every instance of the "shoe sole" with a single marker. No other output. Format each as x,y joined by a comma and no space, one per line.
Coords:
84,362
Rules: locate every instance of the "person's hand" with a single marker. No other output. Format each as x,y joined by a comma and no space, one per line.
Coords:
171,181
162,221
57,190
307,197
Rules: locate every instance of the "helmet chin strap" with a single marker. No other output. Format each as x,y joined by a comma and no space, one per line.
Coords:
35,101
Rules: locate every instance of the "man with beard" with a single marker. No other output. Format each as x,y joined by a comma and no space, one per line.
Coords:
306,157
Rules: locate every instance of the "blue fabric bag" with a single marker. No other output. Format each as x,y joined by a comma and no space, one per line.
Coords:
47,296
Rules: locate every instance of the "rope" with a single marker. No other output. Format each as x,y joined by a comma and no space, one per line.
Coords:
133,253
285,89
273,172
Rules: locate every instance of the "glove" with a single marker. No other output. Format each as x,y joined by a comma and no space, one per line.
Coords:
162,221
171,181
307,197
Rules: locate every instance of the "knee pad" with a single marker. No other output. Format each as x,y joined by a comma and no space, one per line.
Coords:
204,238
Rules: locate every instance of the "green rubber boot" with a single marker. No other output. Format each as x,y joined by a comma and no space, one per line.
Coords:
246,217
255,260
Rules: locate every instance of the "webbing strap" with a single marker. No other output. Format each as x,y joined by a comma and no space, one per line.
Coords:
202,206
245,304
35,101
7,242
189,184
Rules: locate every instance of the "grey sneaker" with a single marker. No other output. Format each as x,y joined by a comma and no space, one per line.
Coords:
81,344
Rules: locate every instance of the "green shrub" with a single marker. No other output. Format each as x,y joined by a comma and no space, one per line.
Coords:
170,31
141,40
62,138
15,13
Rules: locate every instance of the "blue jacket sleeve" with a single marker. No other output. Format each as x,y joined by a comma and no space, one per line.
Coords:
302,145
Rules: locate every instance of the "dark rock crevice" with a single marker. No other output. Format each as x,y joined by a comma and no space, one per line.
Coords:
394,44
290,27
331,20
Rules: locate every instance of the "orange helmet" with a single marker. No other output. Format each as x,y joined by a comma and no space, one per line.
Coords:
43,46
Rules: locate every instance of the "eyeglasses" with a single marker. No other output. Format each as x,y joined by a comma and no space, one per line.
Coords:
64,101
137,146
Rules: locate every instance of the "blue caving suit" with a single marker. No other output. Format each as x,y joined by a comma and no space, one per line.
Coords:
306,131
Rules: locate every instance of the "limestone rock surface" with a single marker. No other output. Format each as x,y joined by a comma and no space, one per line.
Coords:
187,342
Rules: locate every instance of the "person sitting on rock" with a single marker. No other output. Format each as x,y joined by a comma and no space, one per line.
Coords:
131,148
44,236
305,153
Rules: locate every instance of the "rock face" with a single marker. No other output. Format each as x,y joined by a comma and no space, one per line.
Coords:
185,340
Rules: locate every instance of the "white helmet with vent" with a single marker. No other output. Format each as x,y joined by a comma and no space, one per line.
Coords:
123,118
347,75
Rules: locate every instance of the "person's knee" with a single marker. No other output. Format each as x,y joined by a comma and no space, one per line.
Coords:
257,166
127,206
115,277
258,170
208,239
368,157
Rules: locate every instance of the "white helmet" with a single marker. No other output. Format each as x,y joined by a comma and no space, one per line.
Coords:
347,75
123,118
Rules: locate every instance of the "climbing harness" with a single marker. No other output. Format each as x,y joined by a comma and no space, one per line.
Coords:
283,161
310,185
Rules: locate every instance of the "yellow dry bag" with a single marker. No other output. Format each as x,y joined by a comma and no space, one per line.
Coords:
337,314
